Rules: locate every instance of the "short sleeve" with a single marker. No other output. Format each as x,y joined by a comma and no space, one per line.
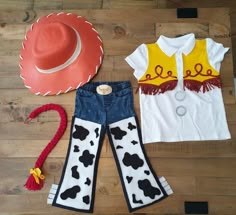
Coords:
216,52
138,60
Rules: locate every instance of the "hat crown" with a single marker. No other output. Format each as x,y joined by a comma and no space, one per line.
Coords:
54,44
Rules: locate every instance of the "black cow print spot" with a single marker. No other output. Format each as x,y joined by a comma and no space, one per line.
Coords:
86,200
96,131
134,142
119,147
86,158
118,133
131,127
80,132
75,173
148,189
146,172
88,181
132,160
70,193
76,148
129,179
135,201
91,143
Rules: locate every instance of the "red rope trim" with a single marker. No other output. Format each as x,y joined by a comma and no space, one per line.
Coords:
31,183
199,71
206,85
151,89
158,74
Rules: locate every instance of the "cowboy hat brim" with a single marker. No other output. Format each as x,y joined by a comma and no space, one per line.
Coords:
78,73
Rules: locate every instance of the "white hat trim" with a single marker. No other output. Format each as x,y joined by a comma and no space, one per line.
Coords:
73,57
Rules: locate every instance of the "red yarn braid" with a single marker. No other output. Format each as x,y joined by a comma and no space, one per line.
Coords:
36,179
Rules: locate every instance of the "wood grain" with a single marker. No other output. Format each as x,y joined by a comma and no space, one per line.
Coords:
197,171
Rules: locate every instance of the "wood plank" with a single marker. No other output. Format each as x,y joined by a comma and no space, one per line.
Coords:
172,205
47,5
24,96
228,95
122,15
201,30
105,185
44,130
197,3
81,4
14,5
167,167
34,147
209,149
216,186
118,4
12,32
18,113
13,112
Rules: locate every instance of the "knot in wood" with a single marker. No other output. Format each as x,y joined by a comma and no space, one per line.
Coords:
119,31
3,24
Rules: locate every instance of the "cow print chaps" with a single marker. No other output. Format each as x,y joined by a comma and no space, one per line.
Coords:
76,189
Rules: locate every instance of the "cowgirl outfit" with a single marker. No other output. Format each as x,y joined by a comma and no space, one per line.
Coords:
180,99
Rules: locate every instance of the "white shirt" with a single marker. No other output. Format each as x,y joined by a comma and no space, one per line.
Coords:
181,114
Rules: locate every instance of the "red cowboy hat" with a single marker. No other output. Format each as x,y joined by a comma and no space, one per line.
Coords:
60,53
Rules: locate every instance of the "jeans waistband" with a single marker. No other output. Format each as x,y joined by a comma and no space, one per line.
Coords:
116,86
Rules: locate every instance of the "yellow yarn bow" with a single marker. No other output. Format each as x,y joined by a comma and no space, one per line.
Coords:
36,173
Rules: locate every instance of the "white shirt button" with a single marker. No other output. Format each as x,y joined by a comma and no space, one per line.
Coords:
181,110
180,95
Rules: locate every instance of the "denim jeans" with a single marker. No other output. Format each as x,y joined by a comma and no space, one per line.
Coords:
95,115
104,109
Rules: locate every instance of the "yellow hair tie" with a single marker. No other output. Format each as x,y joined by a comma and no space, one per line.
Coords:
36,173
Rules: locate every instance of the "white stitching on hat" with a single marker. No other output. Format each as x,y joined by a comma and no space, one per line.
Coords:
26,37
60,13
23,45
94,30
20,66
49,15
38,19
68,89
31,27
89,78
59,92
89,23
38,93
79,16
101,49
29,87
22,77
45,94
20,57
68,14
96,70
79,85
100,59
99,38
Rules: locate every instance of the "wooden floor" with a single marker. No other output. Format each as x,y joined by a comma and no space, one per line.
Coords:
197,171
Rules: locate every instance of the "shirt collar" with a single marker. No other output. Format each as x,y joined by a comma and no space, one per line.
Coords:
170,46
